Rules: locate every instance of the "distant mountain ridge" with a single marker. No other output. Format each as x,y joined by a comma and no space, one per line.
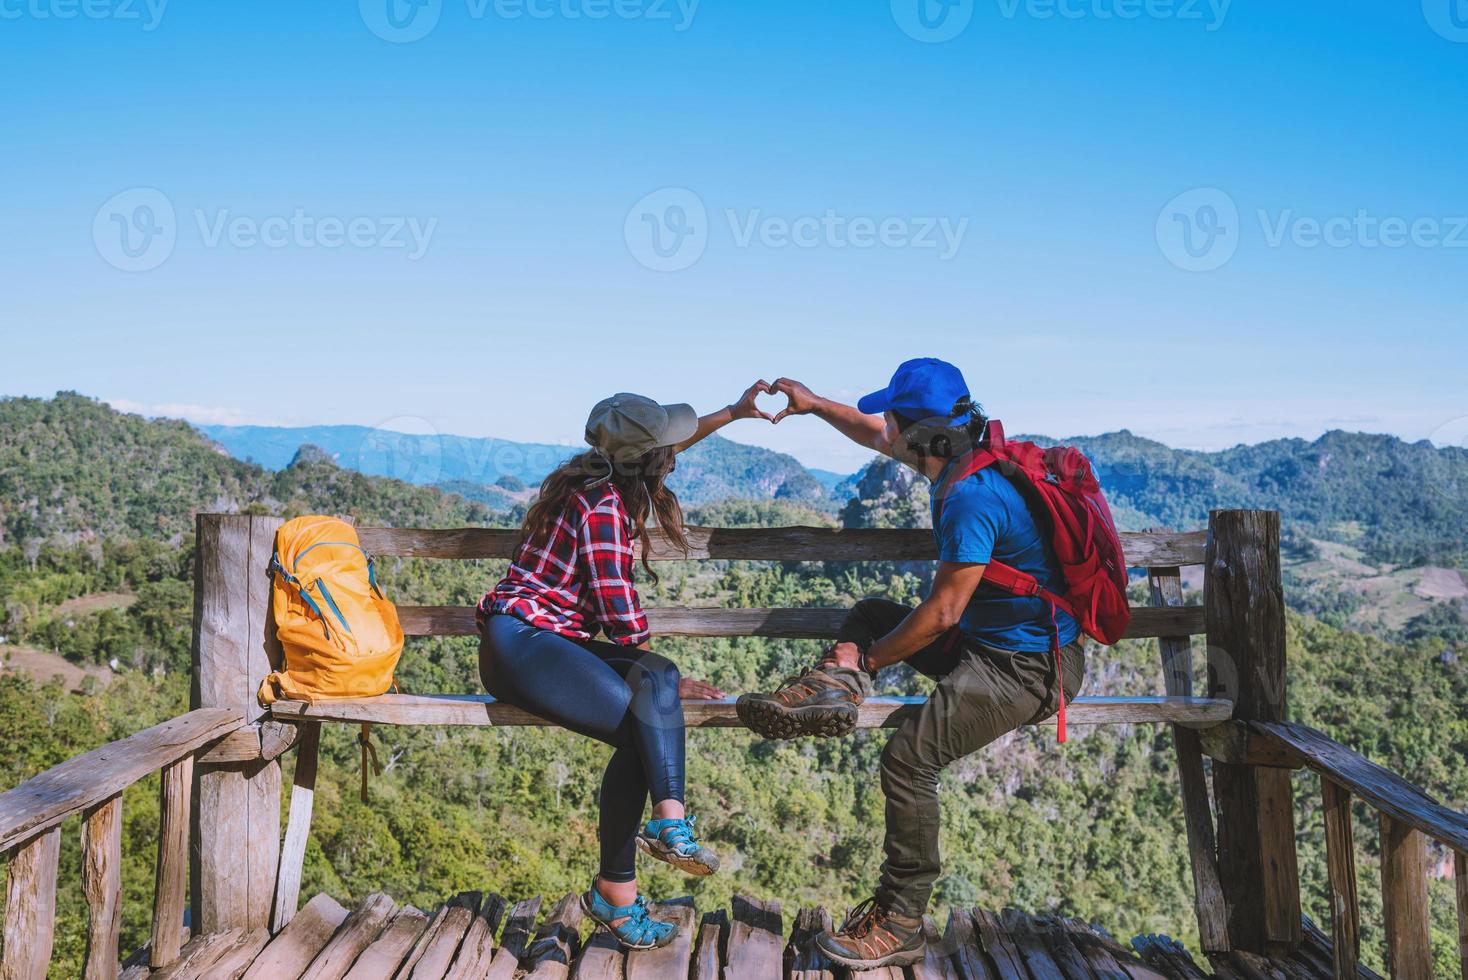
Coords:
715,469
73,469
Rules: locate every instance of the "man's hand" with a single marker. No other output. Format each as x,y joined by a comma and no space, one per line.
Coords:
745,407
698,690
802,401
844,655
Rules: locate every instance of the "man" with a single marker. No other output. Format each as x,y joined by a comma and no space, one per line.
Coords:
989,652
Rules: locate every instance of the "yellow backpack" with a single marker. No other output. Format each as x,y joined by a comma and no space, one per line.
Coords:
341,636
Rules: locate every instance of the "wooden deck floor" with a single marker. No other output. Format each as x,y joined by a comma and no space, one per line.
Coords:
474,936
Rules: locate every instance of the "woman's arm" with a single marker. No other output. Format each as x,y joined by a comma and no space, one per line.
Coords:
744,408
869,431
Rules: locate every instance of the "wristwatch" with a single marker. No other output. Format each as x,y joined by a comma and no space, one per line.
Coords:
861,661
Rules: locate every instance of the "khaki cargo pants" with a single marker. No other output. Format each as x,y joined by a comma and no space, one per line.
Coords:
982,693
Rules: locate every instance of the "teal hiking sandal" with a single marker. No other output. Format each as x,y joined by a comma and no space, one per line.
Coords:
675,842
639,930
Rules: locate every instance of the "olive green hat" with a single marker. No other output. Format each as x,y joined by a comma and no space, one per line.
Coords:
627,425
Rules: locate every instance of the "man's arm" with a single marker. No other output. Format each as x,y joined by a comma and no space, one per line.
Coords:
744,408
952,588
869,431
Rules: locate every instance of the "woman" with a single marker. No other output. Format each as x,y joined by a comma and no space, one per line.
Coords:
572,578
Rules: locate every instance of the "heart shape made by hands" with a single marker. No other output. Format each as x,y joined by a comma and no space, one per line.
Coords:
771,403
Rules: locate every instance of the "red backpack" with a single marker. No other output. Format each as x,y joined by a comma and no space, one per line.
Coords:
1066,501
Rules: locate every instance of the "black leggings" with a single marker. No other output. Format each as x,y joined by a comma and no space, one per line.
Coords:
625,697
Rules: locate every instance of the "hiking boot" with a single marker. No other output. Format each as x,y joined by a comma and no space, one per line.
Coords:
819,702
872,937
673,841
637,928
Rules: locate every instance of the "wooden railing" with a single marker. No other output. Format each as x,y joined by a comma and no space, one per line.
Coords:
1408,819
92,784
242,876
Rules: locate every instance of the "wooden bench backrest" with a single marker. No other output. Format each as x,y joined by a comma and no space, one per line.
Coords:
1162,553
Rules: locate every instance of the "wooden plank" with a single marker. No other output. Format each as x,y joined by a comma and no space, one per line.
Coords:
969,959
1235,742
1037,956
601,959
476,952
937,962
219,868
515,940
262,779
295,946
1405,914
1340,860
1177,676
236,959
1051,931
708,954
102,884
1460,879
1245,618
439,954
30,907
556,942
1142,548
671,960
1168,955
756,943
1377,785
381,960
298,827
1100,956
44,800
791,623
201,953
351,938
883,712
421,944
803,959
1009,963
175,795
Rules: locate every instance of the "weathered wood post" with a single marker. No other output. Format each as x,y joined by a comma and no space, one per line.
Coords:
236,805
1245,619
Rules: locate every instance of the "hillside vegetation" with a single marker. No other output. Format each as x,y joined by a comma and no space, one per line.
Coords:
100,504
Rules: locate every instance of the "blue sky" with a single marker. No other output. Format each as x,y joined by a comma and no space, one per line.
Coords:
1209,223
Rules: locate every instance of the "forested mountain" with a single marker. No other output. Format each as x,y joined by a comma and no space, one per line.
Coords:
715,469
1400,502
96,567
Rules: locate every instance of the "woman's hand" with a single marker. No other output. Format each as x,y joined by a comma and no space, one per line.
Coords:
698,690
745,407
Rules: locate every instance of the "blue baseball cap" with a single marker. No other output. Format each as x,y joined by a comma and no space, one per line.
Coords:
922,388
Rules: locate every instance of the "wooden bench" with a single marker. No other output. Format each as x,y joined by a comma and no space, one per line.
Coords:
234,648
1161,553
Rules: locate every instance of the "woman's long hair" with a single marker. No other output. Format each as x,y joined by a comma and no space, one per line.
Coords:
642,482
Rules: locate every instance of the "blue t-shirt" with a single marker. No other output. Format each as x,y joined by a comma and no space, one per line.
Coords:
983,519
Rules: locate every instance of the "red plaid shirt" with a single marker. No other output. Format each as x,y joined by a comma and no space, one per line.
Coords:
580,579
